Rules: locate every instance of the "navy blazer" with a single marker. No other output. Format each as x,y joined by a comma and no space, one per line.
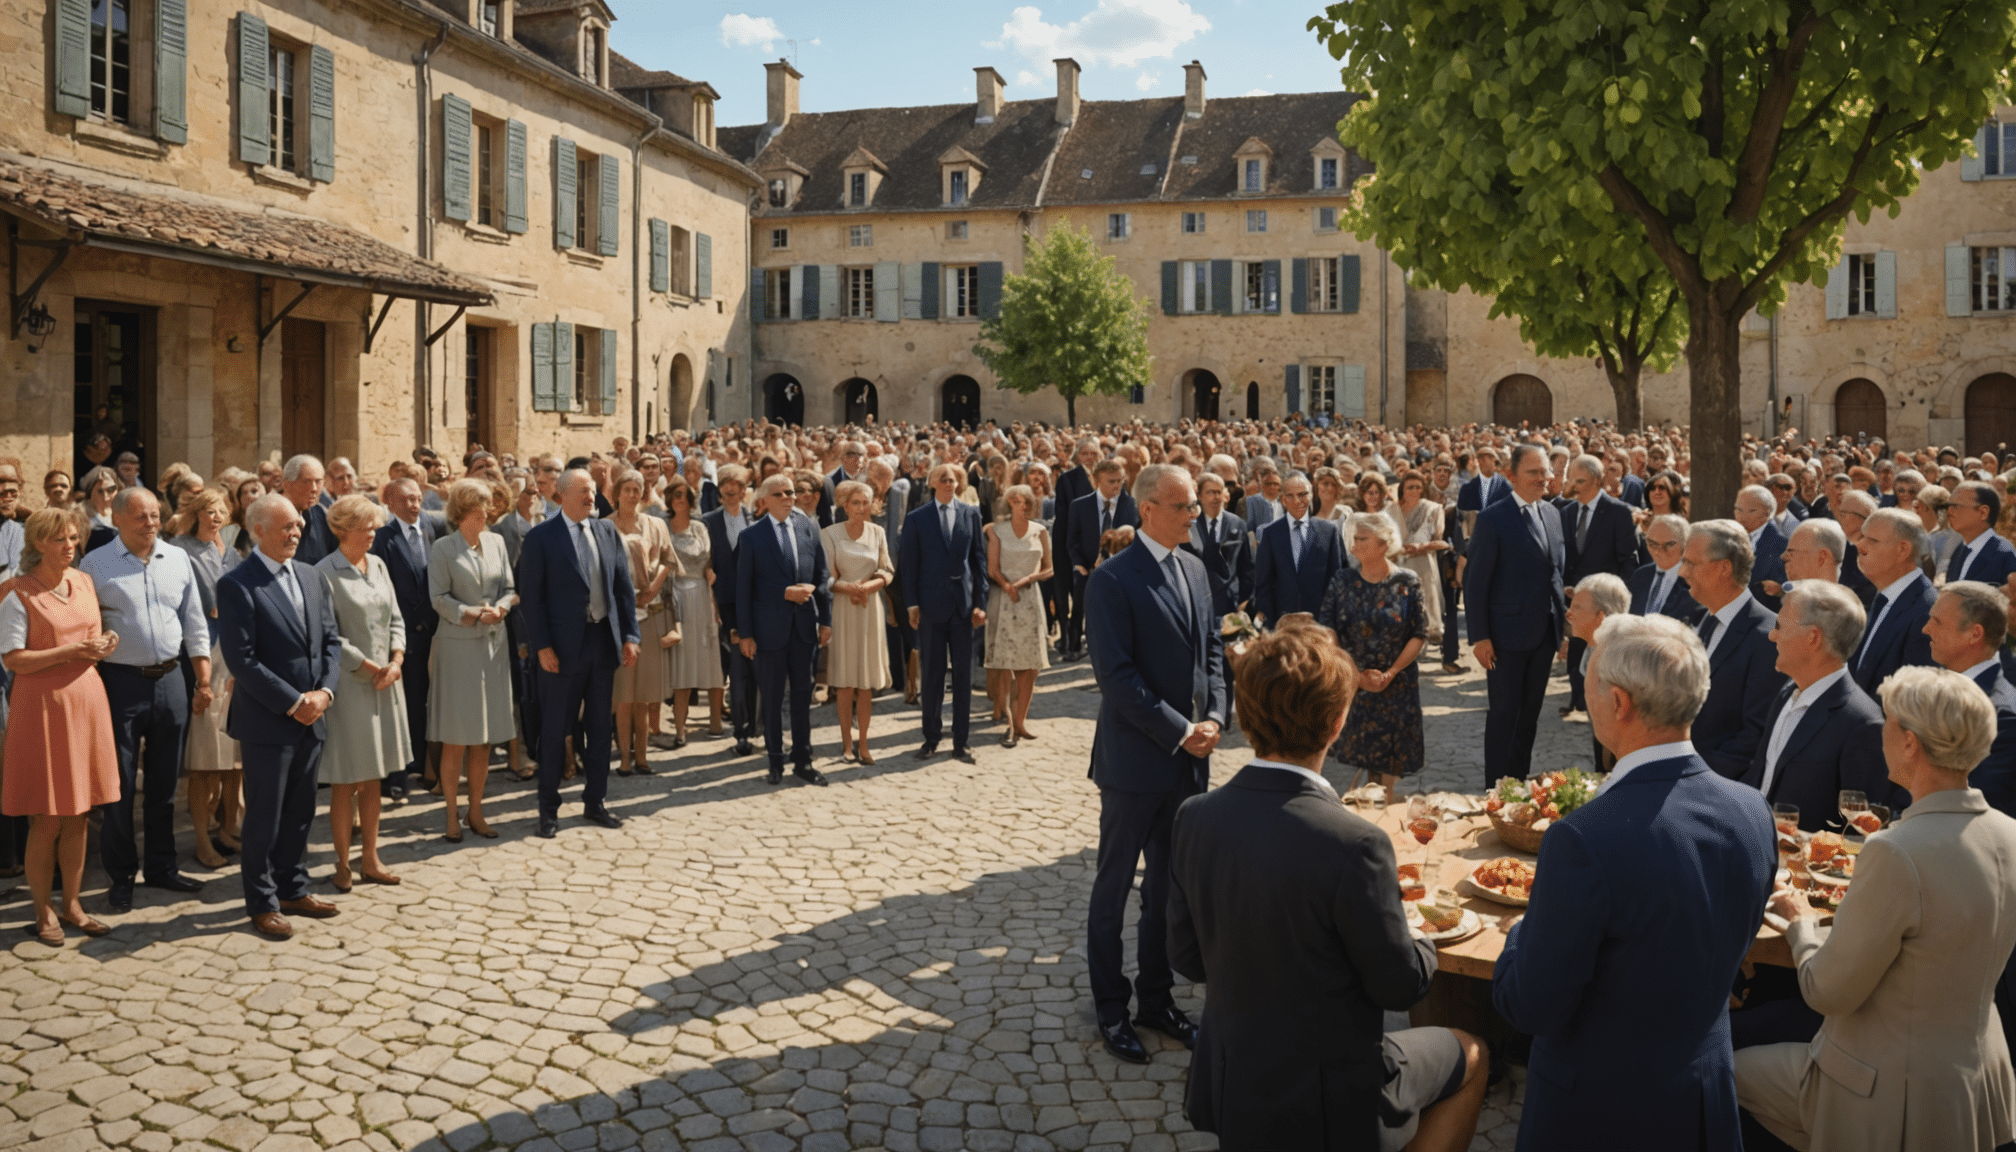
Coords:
1900,639
1680,603
1480,492
409,583
1853,579
1995,776
1229,562
1993,566
1082,546
1648,899
1074,483
1633,490
721,555
554,595
1513,591
316,539
1159,670
1279,587
944,580
1768,563
763,569
1612,544
273,662
101,535
1837,744
1743,681
1259,513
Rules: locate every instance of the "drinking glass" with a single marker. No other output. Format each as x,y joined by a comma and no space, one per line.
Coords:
1786,817
1852,802
1423,822
1882,814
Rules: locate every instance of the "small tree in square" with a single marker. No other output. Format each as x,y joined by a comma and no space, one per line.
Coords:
1070,321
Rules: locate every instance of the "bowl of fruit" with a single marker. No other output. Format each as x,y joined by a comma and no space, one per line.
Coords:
1521,811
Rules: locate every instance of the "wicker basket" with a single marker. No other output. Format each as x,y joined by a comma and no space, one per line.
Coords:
1515,837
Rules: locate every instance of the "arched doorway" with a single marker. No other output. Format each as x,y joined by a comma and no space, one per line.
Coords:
1201,397
784,399
1520,398
1252,400
1859,408
859,401
959,398
678,411
1991,414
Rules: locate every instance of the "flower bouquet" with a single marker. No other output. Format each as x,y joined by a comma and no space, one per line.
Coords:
1237,630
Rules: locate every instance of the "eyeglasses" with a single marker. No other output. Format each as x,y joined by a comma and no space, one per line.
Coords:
1192,507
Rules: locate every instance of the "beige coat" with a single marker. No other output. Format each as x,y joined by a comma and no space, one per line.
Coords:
1911,1055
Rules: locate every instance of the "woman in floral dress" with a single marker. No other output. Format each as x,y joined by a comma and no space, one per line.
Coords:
1376,611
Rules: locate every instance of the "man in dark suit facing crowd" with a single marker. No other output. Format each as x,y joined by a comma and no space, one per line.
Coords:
1093,515
1074,485
1219,538
1893,547
301,481
784,615
1600,536
1743,676
1294,556
1656,588
944,566
403,543
725,526
1484,489
1517,611
1754,509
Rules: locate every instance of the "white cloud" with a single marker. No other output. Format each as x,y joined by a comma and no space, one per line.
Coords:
1256,92
1027,79
1146,82
742,30
1122,33
815,42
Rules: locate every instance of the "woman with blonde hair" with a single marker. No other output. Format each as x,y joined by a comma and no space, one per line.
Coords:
211,756
1377,612
641,688
696,659
858,656
367,721
1329,486
469,695
1419,521
1018,559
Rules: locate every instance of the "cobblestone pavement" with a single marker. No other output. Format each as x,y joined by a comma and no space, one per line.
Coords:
894,961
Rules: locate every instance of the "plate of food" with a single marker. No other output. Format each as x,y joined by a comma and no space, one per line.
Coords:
1442,919
1521,811
1411,887
1506,880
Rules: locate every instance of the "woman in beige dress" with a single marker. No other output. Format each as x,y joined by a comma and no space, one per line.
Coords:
210,755
857,660
469,696
641,688
1018,559
1419,522
696,659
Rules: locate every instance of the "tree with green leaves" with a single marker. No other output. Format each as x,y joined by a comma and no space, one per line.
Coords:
1725,140
1069,321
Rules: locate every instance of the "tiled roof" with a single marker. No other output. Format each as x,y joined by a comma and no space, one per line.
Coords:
173,225
1290,124
1124,144
627,73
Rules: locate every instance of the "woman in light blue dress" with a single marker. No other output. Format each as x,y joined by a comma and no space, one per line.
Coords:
469,703
367,720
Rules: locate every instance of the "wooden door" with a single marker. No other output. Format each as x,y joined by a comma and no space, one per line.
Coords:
960,397
1522,399
1860,407
1991,414
1203,395
303,387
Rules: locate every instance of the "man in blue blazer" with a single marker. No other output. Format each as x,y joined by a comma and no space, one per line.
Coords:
1487,487
1517,611
1160,664
403,543
1626,996
1600,534
1983,554
944,566
277,632
1104,508
1754,509
1892,548
1219,539
1656,588
301,481
1074,485
580,614
1287,577
783,616
725,526
1263,506
1743,676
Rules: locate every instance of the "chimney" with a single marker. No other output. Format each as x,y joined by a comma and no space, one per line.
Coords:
987,85
1193,91
783,93
1067,90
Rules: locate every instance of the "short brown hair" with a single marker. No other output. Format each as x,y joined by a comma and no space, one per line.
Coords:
1293,684
465,496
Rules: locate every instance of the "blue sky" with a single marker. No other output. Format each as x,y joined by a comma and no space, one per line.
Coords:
882,54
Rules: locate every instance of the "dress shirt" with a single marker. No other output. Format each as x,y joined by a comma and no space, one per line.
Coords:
1211,528
1788,719
1889,594
1529,511
1298,531
734,521
1662,587
283,574
1651,755
786,541
1584,513
1975,672
154,605
1786,523
1973,550
1723,616
947,517
414,539
1320,782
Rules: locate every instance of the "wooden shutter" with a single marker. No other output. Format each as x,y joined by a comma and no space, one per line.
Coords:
1298,290
931,285
610,218
563,366
1294,386
543,393
1351,391
1886,285
1270,287
457,132
888,294
566,175
1970,166
758,286
1221,287
830,302
989,289
73,57
1347,283
171,69
703,265
1959,285
1837,291
913,291
321,114
608,371
515,211
661,256
1172,296
808,287
255,127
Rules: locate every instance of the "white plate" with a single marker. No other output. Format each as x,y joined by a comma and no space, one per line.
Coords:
1469,887
1469,926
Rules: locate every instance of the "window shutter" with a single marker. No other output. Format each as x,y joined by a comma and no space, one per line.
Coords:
1886,285
1270,287
1294,386
1959,286
888,293
515,211
1837,291
808,287
703,265
565,176
457,131
1221,287
171,69
932,281
913,291
758,290
321,114
255,128
661,256
1347,283
1298,290
610,169
989,289
563,366
1172,297
542,368
73,57
608,371
829,294
1351,392
1970,166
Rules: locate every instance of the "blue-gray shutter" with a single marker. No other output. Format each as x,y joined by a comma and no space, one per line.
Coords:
703,265
1294,386
1970,166
457,153
1351,392
255,125
566,175
1298,290
1347,283
1221,287
171,69
1959,279
321,114
608,372
989,289
73,57
515,148
563,366
610,169
808,279
1270,287
1172,296
661,256
933,278
757,290
1886,285
1837,291
543,393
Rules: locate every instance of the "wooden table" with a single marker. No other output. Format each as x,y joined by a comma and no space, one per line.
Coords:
1459,849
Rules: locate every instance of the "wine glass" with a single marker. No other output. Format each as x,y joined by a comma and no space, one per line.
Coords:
1423,822
1852,802
1786,817
1882,814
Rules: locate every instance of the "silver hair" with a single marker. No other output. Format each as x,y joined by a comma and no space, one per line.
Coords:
1587,465
1150,480
1834,610
1727,540
126,496
343,460
405,481
1290,477
262,513
1952,718
1863,503
1607,594
1828,537
1377,523
1909,528
1655,660
291,470
567,478
1676,523
1982,604
1761,493
782,483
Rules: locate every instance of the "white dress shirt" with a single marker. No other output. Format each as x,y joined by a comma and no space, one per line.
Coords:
1724,616
1320,782
1795,709
1974,549
1648,755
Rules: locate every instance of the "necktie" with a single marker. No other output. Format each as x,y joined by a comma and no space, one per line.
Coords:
1658,601
1106,518
293,589
945,522
1710,624
1956,569
1173,572
591,571
1875,617
1295,540
1533,526
787,545
1581,525
419,550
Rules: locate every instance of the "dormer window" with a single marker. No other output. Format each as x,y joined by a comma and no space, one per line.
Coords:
862,173
1251,179
780,193
1327,170
486,18
594,55
703,121
857,189
1253,161
957,196
959,173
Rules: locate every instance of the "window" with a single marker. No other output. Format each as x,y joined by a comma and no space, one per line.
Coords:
1326,219
1324,285
1137,395
1998,151
1861,272
857,189
962,291
1194,281
112,60
486,175
1251,183
777,293
280,106
780,237
682,262
1256,220
475,364
861,236
958,196
591,68
1994,290
861,293
1322,388
487,18
585,345
1326,172
1119,225
1193,223
587,201
780,193
1263,288
955,230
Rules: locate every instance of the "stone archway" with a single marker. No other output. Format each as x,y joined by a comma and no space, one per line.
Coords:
679,409
1200,395
859,399
1522,399
1861,408
1252,400
784,399
959,401
1991,414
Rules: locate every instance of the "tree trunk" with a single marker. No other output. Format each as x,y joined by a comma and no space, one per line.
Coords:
1071,409
1630,394
1715,400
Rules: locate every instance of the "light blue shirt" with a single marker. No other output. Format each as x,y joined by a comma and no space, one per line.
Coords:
11,542
155,607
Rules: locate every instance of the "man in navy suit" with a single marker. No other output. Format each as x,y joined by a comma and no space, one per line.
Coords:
1487,487
725,526
1294,556
1983,554
1656,588
403,543
301,481
1893,546
1107,507
783,616
1824,733
581,623
1219,539
1754,509
1161,667
1743,676
1627,998
853,466
944,567
1601,535
277,631
1073,486
1263,506
1517,611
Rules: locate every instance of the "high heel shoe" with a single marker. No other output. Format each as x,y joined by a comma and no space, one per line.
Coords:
453,835
483,830
864,756
342,881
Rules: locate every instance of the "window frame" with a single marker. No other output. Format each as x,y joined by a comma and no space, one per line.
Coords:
860,236
1256,295
102,52
857,301
1978,255
857,189
583,349
777,301
1252,174
284,105
956,187
958,230
780,238
1861,273
1256,221
1331,210
1325,286
1193,218
962,292
1326,374
587,201
1193,287
1119,226
1329,173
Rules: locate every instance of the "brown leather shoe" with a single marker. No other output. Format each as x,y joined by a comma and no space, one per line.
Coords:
309,906
272,925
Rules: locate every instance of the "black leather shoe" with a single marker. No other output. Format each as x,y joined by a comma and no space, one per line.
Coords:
119,897
810,775
602,816
776,775
926,752
549,827
175,882
964,756
1171,1022
1123,1043
744,748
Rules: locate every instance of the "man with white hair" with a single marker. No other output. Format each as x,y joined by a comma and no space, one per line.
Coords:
1743,677
301,481
342,481
1754,509
1892,551
944,567
1825,733
1656,587
1601,537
